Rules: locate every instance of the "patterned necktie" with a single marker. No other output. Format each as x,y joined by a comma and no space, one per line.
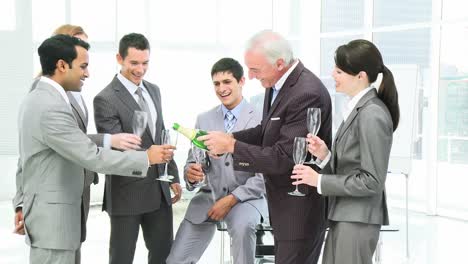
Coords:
144,107
230,121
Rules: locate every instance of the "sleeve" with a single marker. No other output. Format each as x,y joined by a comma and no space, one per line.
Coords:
106,116
375,141
18,199
61,134
254,188
190,160
277,158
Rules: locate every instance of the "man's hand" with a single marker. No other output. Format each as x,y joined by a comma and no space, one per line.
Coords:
125,141
222,207
158,154
19,222
177,190
194,173
218,142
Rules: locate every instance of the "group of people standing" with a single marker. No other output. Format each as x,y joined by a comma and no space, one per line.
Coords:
251,167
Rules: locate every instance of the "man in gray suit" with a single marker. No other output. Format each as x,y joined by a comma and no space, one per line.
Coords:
236,197
54,152
122,141
145,202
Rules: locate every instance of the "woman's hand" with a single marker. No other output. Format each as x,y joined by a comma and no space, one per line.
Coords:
317,147
304,175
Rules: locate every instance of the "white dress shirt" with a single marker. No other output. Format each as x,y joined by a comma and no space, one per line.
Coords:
131,87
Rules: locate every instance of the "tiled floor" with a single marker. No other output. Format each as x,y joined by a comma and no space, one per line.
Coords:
432,240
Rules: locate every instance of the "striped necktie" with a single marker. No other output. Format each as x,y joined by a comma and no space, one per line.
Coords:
230,121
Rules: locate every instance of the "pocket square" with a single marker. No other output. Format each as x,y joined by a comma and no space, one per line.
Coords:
274,118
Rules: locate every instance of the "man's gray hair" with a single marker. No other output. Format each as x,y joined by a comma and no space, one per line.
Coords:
272,45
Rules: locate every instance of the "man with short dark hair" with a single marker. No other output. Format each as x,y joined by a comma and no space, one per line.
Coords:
134,203
237,198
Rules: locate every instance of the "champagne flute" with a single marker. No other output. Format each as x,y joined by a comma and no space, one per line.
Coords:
313,125
139,122
167,138
299,155
199,155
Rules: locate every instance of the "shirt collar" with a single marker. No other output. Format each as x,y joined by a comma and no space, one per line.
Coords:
235,111
131,87
354,100
57,87
279,84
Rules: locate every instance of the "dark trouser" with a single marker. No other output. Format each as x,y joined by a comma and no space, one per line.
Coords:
157,232
304,251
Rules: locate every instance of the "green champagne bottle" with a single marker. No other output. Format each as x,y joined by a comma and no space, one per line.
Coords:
191,134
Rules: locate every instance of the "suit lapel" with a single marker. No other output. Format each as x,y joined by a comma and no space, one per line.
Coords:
346,124
244,117
127,99
287,86
341,131
79,116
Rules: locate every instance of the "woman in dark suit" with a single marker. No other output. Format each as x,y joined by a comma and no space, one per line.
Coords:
354,171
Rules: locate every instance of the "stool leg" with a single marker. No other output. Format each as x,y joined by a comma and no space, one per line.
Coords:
222,248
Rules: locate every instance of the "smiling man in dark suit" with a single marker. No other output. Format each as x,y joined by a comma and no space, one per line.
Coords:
298,222
134,203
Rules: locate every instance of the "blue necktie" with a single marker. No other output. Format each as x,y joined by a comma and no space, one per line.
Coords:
230,121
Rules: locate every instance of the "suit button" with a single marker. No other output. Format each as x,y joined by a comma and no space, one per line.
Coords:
224,189
227,163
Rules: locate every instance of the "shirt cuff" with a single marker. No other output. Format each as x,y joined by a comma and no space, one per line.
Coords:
107,141
323,163
319,184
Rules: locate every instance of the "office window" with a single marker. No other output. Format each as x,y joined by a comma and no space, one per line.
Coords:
98,18
454,9
338,15
453,120
397,12
178,23
132,16
44,20
8,16
236,23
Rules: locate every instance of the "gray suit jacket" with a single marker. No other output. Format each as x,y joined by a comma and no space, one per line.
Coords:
53,153
89,176
114,107
246,186
354,179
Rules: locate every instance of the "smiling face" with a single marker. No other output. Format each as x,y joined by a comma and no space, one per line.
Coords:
134,65
261,69
228,89
77,72
347,83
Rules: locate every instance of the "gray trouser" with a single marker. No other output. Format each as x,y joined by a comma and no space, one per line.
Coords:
350,243
51,256
192,239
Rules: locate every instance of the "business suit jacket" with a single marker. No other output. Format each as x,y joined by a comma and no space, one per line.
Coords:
354,179
246,186
89,176
114,107
267,148
53,153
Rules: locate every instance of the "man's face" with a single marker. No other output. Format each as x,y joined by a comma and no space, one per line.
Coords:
78,72
261,69
134,65
228,89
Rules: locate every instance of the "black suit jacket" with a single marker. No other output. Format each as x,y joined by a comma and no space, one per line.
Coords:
267,148
113,113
